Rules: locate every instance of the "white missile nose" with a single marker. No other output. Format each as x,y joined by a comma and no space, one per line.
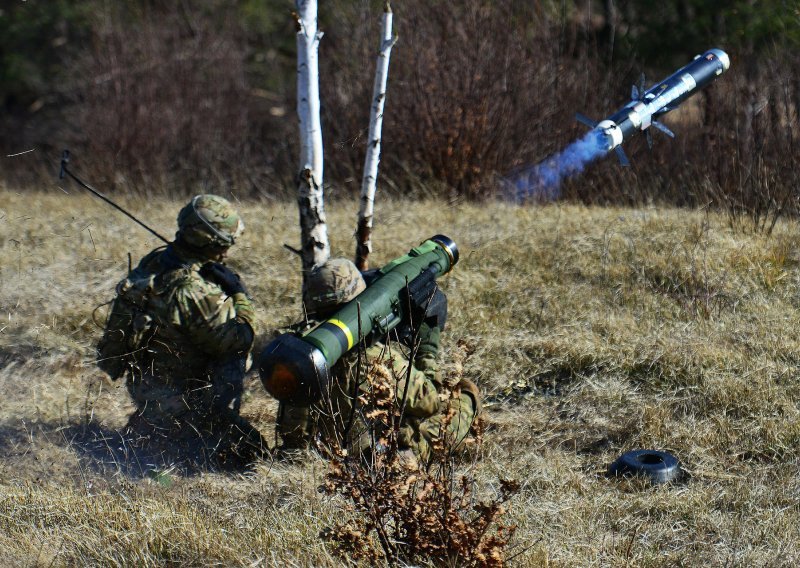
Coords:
723,57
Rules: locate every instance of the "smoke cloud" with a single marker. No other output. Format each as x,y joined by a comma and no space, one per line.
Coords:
543,181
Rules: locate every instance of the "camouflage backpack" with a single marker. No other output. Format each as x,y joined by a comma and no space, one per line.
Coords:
128,327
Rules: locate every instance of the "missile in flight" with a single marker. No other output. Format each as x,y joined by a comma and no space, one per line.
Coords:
646,106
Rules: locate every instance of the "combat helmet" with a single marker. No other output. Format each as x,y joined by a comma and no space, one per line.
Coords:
209,220
331,284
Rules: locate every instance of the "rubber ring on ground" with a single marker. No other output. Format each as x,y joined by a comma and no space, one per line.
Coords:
657,466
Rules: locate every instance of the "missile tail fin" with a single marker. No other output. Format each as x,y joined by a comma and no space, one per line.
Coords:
582,118
623,159
663,129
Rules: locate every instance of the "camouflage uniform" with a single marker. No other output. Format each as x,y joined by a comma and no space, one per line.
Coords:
428,404
182,338
200,337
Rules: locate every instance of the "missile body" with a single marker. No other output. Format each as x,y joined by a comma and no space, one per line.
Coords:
296,369
646,106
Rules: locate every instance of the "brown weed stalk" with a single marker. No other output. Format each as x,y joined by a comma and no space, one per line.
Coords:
401,512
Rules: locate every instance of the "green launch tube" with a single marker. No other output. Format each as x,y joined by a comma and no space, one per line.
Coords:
296,368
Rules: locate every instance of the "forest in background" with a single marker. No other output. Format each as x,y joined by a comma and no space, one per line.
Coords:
163,97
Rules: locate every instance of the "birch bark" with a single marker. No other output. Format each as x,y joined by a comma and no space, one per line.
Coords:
314,245
368,183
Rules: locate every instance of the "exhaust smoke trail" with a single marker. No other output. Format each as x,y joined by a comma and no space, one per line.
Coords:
642,111
543,181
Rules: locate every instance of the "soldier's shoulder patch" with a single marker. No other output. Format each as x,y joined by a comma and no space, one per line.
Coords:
197,297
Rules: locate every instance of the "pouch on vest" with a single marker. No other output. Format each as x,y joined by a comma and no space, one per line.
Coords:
128,326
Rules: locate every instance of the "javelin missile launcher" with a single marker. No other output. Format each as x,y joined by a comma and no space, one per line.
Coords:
646,106
296,368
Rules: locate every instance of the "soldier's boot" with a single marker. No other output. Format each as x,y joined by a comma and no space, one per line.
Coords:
244,439
471,389
467,415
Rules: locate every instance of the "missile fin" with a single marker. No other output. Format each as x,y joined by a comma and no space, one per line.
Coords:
663,129
623,159
582,118
641,89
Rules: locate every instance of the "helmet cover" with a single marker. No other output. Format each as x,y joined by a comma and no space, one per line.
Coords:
331,284
209,220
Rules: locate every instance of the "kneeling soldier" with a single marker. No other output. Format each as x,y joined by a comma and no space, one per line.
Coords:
181,330
431,413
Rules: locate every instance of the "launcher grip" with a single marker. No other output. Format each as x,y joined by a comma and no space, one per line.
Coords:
424,301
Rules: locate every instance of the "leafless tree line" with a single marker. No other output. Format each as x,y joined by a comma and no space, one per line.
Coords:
476,89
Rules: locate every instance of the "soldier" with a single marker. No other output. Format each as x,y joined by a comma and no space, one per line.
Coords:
431,411
181,331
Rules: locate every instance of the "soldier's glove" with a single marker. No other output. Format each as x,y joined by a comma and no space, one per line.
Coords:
428,338
226,278
425,358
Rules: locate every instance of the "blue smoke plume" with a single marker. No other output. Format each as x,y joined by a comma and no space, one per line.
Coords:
543,181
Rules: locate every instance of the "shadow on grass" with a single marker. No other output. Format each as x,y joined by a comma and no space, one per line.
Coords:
135,451
18,355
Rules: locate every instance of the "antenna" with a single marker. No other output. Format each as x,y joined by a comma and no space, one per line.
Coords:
65,170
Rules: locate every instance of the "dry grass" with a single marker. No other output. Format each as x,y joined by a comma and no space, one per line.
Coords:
593,331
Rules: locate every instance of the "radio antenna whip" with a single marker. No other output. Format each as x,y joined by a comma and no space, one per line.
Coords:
79,181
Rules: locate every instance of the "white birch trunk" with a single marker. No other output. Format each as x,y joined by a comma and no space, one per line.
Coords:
368,184
314,246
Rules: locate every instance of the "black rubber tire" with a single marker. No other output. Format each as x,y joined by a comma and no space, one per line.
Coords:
658,467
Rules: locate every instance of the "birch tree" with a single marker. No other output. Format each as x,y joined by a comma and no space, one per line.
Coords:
315,248
369,181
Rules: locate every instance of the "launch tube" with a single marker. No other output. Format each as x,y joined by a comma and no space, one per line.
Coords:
296,368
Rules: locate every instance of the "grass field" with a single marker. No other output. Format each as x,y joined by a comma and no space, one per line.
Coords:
591,331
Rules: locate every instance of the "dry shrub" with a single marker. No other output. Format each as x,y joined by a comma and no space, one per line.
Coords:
426,515
430,513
